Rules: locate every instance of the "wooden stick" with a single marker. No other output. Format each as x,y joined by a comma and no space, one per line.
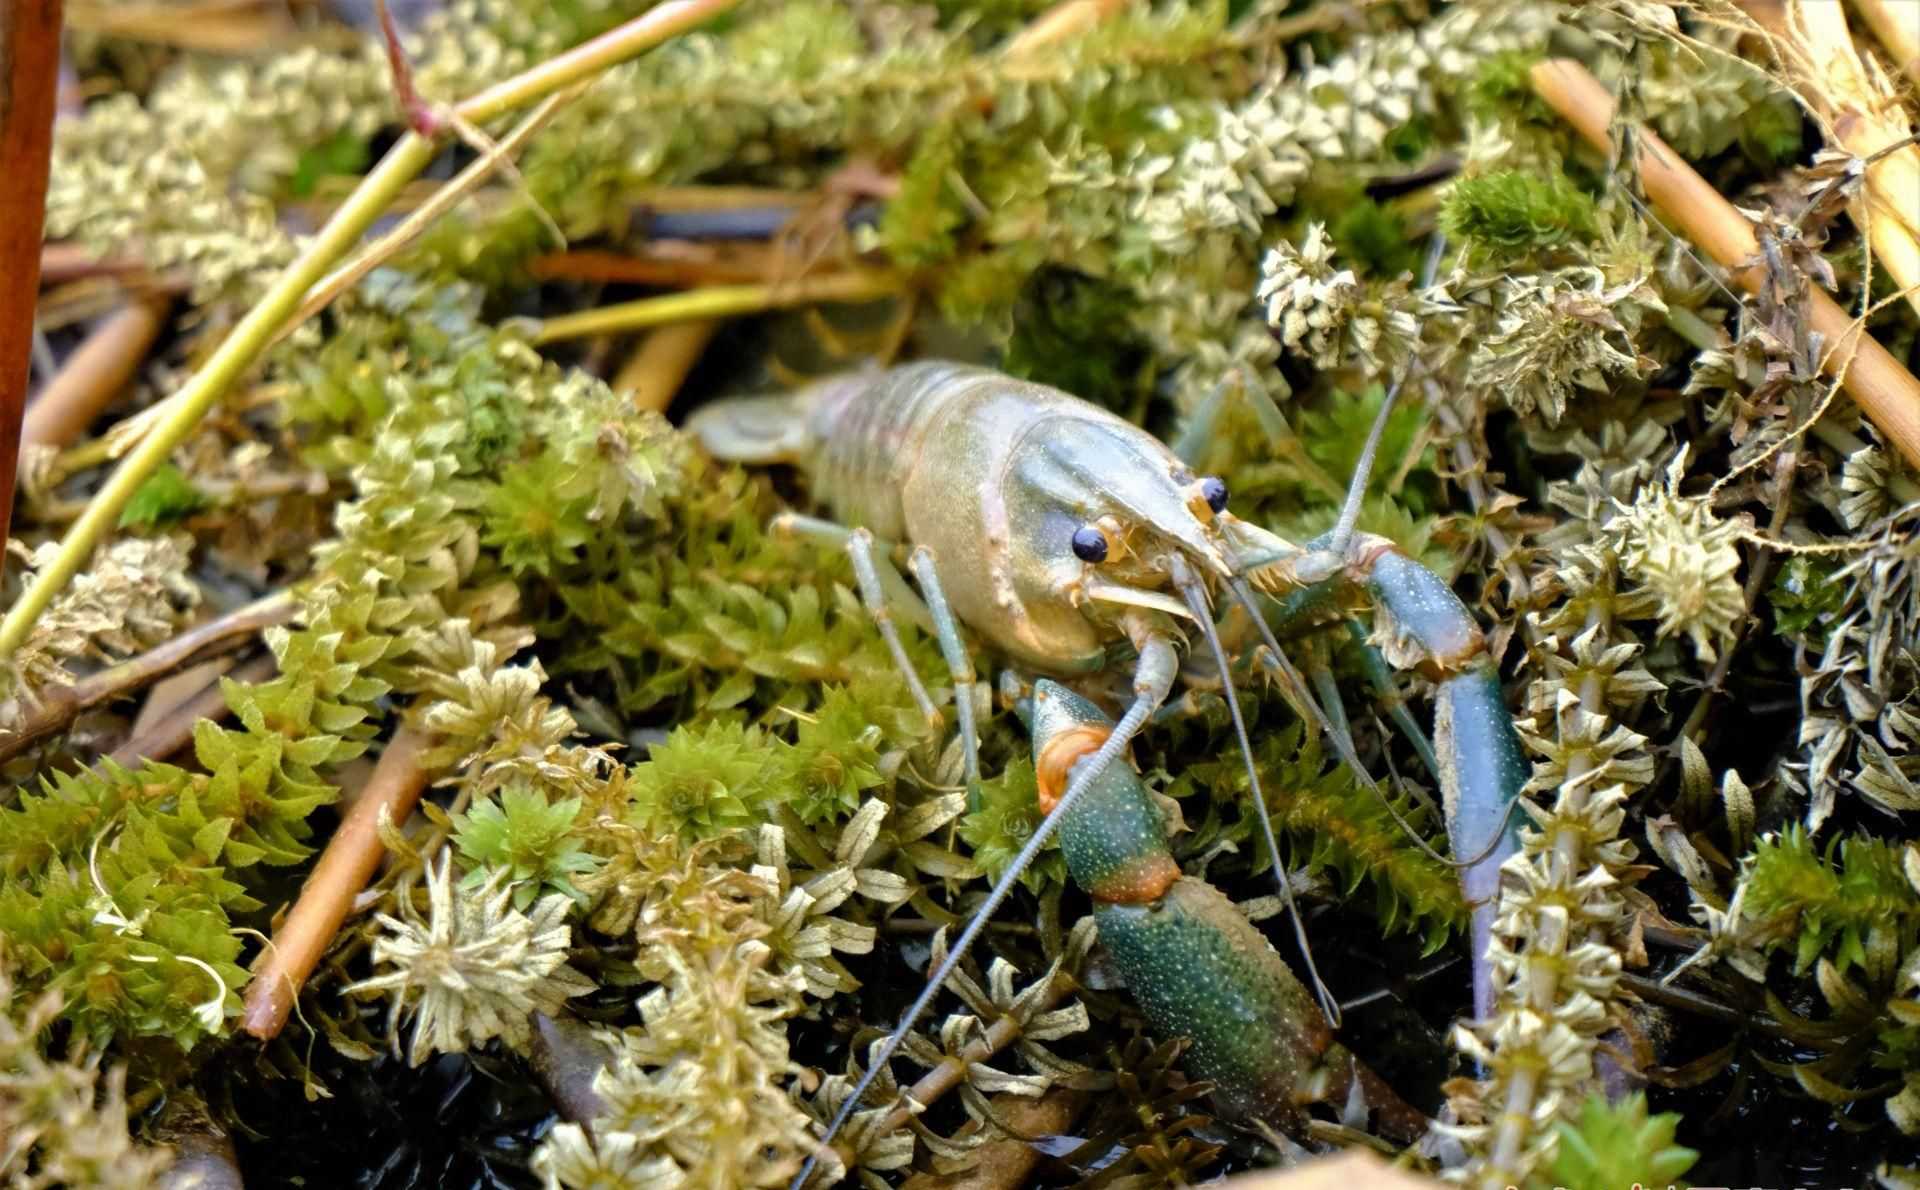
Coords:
94,374
1885,390
29,81
343,870
671,264
657,369
56,708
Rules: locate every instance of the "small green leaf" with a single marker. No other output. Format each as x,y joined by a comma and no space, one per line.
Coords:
167,496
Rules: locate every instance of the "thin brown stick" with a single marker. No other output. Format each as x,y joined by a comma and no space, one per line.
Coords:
57,708
29,81
94,374
1897,24
659,366
1885,390
952,1071
174,730
343,870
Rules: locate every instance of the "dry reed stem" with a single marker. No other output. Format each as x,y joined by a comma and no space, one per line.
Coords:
67,261
95,374
1897,24
1860,113
1884,389
657,369
343,869
671,264
29,82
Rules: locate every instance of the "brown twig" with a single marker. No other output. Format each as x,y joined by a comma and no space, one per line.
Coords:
174,730
94,374
344,867
59,707
1885,390
659,366
29,81
952,1071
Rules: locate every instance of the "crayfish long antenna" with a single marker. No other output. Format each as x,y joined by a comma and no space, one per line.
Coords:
1196,596
1342,535
1130,724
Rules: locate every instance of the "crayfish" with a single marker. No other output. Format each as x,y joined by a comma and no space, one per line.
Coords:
1055,531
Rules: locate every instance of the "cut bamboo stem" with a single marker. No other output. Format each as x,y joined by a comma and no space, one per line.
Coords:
343,869
241,348
94,374
1885,390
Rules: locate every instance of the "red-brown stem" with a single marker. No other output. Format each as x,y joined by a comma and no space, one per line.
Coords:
1884,389
343,870
29,79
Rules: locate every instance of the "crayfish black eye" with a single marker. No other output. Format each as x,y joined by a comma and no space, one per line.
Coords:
1214,490
1089,544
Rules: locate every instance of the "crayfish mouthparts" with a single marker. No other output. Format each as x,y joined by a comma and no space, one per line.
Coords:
1193,962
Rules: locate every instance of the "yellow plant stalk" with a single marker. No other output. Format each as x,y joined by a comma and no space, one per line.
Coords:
254,333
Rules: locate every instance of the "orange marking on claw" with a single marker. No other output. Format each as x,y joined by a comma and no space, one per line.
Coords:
1141,882
1060,755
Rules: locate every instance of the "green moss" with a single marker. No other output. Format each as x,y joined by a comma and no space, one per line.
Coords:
1619,1144
1512,212
167,496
